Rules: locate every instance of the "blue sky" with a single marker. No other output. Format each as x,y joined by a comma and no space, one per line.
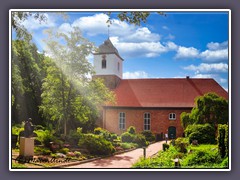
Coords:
177,45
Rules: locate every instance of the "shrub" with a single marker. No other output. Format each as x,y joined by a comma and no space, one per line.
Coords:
64,150
165,146
127,137
224,163
98,130
131,130
181,144
105,133
128,145
149,136
223,140
204,133
164,159
74,136
140,140
96,144
45,137
203,155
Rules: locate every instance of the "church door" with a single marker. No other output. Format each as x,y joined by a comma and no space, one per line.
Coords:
172,132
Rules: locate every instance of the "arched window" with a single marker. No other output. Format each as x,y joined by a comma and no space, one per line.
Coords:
104,62
172,116
147,121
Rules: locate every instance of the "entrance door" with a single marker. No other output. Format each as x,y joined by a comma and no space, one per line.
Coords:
172,132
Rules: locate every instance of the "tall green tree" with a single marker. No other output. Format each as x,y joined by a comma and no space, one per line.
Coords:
27,74
68,93
210,108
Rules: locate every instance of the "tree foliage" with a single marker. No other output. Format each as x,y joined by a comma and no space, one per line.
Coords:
27,73
209,108
133,17
17,19
69,96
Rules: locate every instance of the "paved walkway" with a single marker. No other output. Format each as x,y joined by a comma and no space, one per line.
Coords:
125,160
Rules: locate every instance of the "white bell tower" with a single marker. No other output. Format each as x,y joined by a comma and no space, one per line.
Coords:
108,64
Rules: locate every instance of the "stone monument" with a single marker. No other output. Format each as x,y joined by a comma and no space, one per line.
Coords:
27,141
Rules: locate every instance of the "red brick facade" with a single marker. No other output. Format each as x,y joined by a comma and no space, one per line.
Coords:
159,119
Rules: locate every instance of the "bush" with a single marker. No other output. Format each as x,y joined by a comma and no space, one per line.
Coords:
64,150
204,133
165,146
127,137
223,140
45,137
106,134
164,159
203,155
96,144
74,136
98,131
131,130
128,145
149,136
181,144
224,163
140,140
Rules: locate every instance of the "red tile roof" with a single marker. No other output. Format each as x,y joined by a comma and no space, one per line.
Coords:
164,92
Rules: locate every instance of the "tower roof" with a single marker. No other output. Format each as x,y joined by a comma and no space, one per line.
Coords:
108,48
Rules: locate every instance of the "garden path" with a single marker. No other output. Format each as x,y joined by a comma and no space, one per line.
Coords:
124,160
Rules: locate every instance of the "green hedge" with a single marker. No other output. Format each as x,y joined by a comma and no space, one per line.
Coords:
203,133
149,136
223,139
96,144
127,137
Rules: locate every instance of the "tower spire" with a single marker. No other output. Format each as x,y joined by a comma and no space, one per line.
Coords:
108,30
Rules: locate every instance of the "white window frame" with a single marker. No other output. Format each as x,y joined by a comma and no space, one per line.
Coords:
172,116
147,121
122,121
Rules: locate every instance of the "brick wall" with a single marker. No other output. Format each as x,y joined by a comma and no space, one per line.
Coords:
135,117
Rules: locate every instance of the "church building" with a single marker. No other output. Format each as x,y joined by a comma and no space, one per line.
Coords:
147,104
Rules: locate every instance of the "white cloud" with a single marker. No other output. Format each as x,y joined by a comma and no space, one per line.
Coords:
93,25
146,49
170,36
128,39
171,46
32,24
65,28
222,80
165,27
187,52
135,75
205,68
204,76
217,46
214,56
142,34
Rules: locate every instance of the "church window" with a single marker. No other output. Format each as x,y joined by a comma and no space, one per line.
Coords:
147,121
122,120
172,116
104,62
